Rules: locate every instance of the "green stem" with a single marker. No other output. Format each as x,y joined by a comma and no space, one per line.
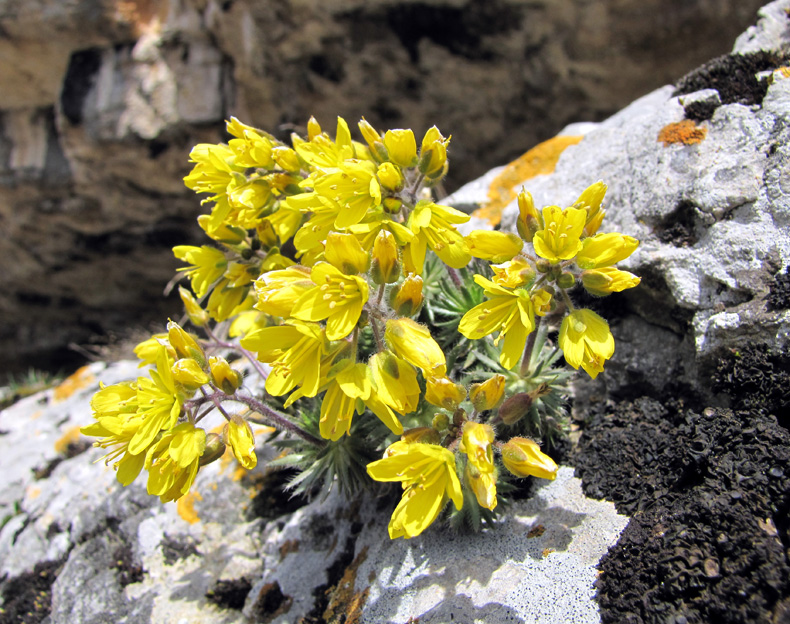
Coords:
276,419
528,348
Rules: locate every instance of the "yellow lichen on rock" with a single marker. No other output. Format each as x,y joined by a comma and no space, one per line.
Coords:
70,437
686,132
81,378
186,507
539,160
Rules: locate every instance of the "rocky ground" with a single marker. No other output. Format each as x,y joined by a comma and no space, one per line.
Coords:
678,510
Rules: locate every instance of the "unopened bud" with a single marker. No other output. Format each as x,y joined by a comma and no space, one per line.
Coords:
215,448
286,158
188,373
313,128
184,344
524,458
390,176
515,408
440,421
385,268
566,280
425,435
407,298
392,204
225,378
197,315
529,219
489,394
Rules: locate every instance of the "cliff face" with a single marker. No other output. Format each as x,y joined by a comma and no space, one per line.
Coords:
101,101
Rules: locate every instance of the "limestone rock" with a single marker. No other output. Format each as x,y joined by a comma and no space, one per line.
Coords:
102,101
709,200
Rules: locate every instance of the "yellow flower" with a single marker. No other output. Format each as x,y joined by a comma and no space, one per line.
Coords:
603,250
493,246
514,273
508,311
560,238
368,230
197,315
489,394
433,226
607,280
427,473
348,384
115,410
335,297
252,147
524,458
207,265
401,147
354,189
542,300
242,441
385,267
295,349
148,349
590,200
586,341
214,168
345,253
442,392
476,443
529,219
321,152
173,462
159,405
370,135
394,383
286,158
433,153
278,291
414,343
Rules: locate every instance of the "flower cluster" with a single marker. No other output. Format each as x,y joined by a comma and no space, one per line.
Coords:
322,274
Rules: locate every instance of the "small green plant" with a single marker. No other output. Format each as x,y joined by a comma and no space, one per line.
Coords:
31,382
365,315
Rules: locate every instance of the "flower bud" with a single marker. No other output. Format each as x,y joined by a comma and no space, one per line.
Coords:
489,394
184,344
590,200
442,392
224,377
242,441
425,435
407,298
188,373
524,458
369,133
544,266
433,153
441,421
392,204
197,315
401,147
529,219
566,280
515,408
385,268
286,158
601,282
313,128
215,448
390,176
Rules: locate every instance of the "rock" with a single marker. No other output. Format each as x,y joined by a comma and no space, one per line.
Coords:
709,201
103,101
220,556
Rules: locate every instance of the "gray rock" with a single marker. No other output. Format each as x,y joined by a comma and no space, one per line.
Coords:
713,218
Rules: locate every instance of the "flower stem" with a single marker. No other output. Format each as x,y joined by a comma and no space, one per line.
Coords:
275,418
455,277
235,347
528,348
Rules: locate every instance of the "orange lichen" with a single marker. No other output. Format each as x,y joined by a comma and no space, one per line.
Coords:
344,603
186,507
80,379
782,72
70,437
539,160
686,132
288,547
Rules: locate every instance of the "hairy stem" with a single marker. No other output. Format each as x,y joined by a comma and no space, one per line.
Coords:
528,348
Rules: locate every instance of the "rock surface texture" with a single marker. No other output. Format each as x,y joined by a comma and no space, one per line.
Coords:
700,172
101,102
